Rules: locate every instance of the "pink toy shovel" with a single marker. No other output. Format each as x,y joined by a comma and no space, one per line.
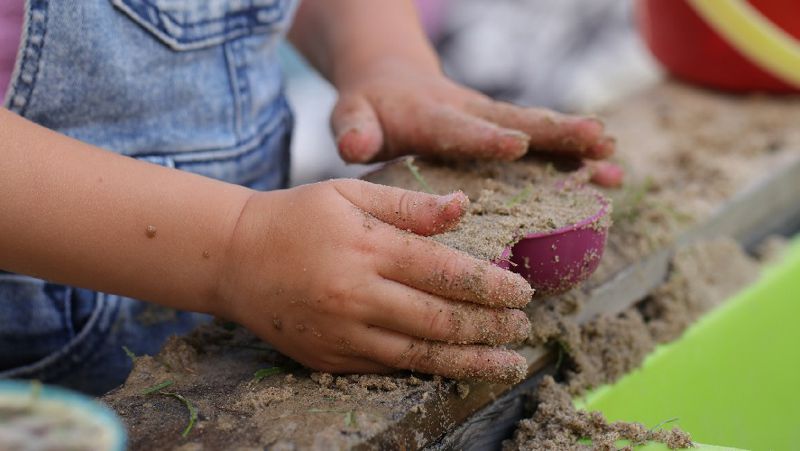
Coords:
555,261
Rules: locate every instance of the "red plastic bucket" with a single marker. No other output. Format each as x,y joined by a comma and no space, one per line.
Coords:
692,49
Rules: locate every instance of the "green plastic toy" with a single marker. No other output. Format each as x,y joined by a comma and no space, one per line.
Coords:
732,379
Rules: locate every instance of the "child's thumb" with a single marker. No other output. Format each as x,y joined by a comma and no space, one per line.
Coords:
356,128
421,213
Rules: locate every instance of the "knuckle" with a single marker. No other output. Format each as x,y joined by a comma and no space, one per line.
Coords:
338,296
348,300
522,324
438,324
368,243
418,355
359,306
449,270
507,328
332,186
404,206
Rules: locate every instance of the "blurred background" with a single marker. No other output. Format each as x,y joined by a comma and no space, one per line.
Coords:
569,55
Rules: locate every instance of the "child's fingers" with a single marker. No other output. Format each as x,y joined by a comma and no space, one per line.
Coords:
422,315
605,173
449,360
356,129
548,130
443,271
421,213
448,132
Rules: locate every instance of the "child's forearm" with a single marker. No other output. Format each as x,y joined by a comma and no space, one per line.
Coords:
76,214
316,270
344,38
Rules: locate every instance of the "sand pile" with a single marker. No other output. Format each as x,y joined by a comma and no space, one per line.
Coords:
608,347
685,154
558,425
507,199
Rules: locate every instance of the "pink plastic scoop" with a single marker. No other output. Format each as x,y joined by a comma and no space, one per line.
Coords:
557,260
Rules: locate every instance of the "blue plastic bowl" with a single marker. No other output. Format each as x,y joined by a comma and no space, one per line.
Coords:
85,408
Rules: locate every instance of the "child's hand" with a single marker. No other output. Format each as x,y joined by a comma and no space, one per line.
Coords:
393,109
336,276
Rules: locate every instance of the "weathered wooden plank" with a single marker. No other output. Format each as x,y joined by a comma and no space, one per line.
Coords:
771,204
487,428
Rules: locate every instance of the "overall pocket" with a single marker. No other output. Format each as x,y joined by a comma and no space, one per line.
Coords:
46,329
195,24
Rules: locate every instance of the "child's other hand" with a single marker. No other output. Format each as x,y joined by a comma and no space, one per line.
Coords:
337,276
393,109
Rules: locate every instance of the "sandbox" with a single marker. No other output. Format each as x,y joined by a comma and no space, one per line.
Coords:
701,166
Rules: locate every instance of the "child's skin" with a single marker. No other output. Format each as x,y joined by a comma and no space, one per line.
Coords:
328,273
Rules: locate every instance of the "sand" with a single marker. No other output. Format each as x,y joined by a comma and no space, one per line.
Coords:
558,425
507,200
702,277
608,347
681,166
214,368
689,152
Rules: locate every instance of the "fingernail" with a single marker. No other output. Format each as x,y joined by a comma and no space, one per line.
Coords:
523,326
512,367
347,142
607,174
355,145
610,168
517,135
596,121
347,131
517,370
589,125
514,291
450,209
603,148
456,200
521,291
515,143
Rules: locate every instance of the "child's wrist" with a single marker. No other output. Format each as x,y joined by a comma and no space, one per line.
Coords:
217,300
245,249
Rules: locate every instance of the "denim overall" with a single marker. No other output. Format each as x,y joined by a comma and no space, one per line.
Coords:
188,84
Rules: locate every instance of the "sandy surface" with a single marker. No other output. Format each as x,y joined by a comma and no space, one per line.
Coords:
686,151
558,425
215,368
507,200
682,163
608,347
695,159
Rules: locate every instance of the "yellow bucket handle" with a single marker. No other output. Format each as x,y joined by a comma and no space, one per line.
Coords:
754,35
